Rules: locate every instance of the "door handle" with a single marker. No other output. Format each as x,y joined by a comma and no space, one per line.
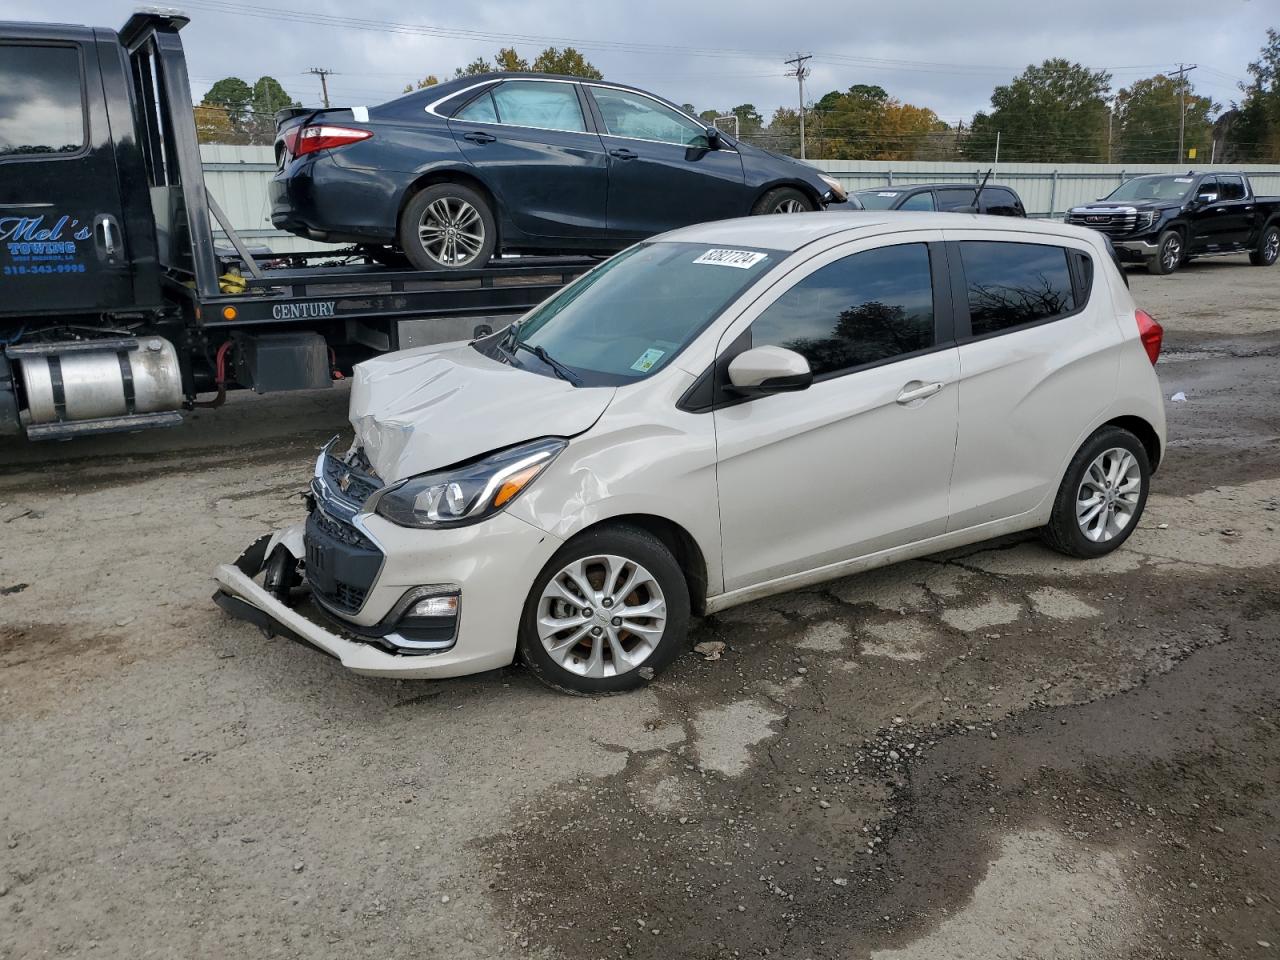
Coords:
477,136
915,390
622,153
107,236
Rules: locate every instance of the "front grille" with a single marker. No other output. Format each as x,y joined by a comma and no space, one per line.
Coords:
348,483
342,531
341,562
1113,223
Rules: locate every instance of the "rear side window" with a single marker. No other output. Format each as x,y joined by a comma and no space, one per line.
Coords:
1230,188
479,110
866,308
1012,284
540,104
955,199
918,201
41,105
999,202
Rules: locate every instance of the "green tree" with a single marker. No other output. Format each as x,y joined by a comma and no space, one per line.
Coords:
865,123
1145,125
508,60
234,95
1255,134
430,80
568,62
234,112
1056,111
473,69
749,120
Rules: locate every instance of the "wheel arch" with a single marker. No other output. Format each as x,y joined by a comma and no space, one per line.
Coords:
430,178
1144,431
675,538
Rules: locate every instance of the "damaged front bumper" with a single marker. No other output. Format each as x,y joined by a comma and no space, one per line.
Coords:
489,567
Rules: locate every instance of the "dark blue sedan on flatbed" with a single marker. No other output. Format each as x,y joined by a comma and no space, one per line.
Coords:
519,162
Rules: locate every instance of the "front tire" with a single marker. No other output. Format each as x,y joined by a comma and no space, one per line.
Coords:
1102,496
448,226
1268,249
611,603
1169,256
783,200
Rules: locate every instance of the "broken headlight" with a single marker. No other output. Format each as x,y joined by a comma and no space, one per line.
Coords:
473,491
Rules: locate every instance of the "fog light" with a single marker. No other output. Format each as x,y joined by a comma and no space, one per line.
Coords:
434,607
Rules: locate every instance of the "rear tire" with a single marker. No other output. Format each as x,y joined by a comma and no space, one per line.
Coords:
1170,252
783,200
1102,496
621,569
1268,249
447,226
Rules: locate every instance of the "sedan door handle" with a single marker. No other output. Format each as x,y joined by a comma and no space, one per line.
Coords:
622,153
477,136
915,390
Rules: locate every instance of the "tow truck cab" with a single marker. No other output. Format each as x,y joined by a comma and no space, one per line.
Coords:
118,306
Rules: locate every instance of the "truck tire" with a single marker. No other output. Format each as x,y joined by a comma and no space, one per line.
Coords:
1268,248
1169,253
448,226
783,200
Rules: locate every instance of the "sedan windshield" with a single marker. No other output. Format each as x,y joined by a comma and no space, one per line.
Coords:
878,199
630,316
1153,188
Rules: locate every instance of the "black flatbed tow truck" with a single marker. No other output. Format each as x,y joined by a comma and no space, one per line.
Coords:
118,308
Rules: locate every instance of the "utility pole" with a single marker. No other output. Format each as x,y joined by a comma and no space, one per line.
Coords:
800,72
1181,74
323,74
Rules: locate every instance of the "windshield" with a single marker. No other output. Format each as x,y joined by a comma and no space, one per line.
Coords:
630,316
1153,188
878,199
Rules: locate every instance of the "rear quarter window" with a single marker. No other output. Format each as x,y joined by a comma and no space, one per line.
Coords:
1012,285
41,100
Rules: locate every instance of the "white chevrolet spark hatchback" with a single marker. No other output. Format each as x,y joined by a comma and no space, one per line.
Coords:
715,415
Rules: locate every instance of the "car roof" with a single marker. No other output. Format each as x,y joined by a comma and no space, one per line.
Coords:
909,187
794,230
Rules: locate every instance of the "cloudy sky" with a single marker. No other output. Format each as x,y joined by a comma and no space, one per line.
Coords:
942,54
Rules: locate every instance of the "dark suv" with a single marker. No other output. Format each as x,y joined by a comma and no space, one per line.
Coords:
995,200
521,162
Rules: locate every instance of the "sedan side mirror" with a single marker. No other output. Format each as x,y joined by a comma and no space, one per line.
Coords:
761,371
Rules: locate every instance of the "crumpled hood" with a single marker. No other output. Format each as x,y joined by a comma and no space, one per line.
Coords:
420,410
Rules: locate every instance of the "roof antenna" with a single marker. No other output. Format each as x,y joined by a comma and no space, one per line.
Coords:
978,193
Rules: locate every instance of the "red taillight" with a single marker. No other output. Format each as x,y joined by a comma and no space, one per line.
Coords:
1151,334
310,139
290,141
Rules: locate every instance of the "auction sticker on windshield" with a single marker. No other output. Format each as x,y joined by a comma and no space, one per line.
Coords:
742,259
648,359
1182,179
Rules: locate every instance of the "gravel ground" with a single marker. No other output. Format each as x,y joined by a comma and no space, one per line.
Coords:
996,753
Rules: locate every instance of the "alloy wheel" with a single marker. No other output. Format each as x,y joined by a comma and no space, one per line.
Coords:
1108,496
451,232
1172,252
601,616
1271,249
790,205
